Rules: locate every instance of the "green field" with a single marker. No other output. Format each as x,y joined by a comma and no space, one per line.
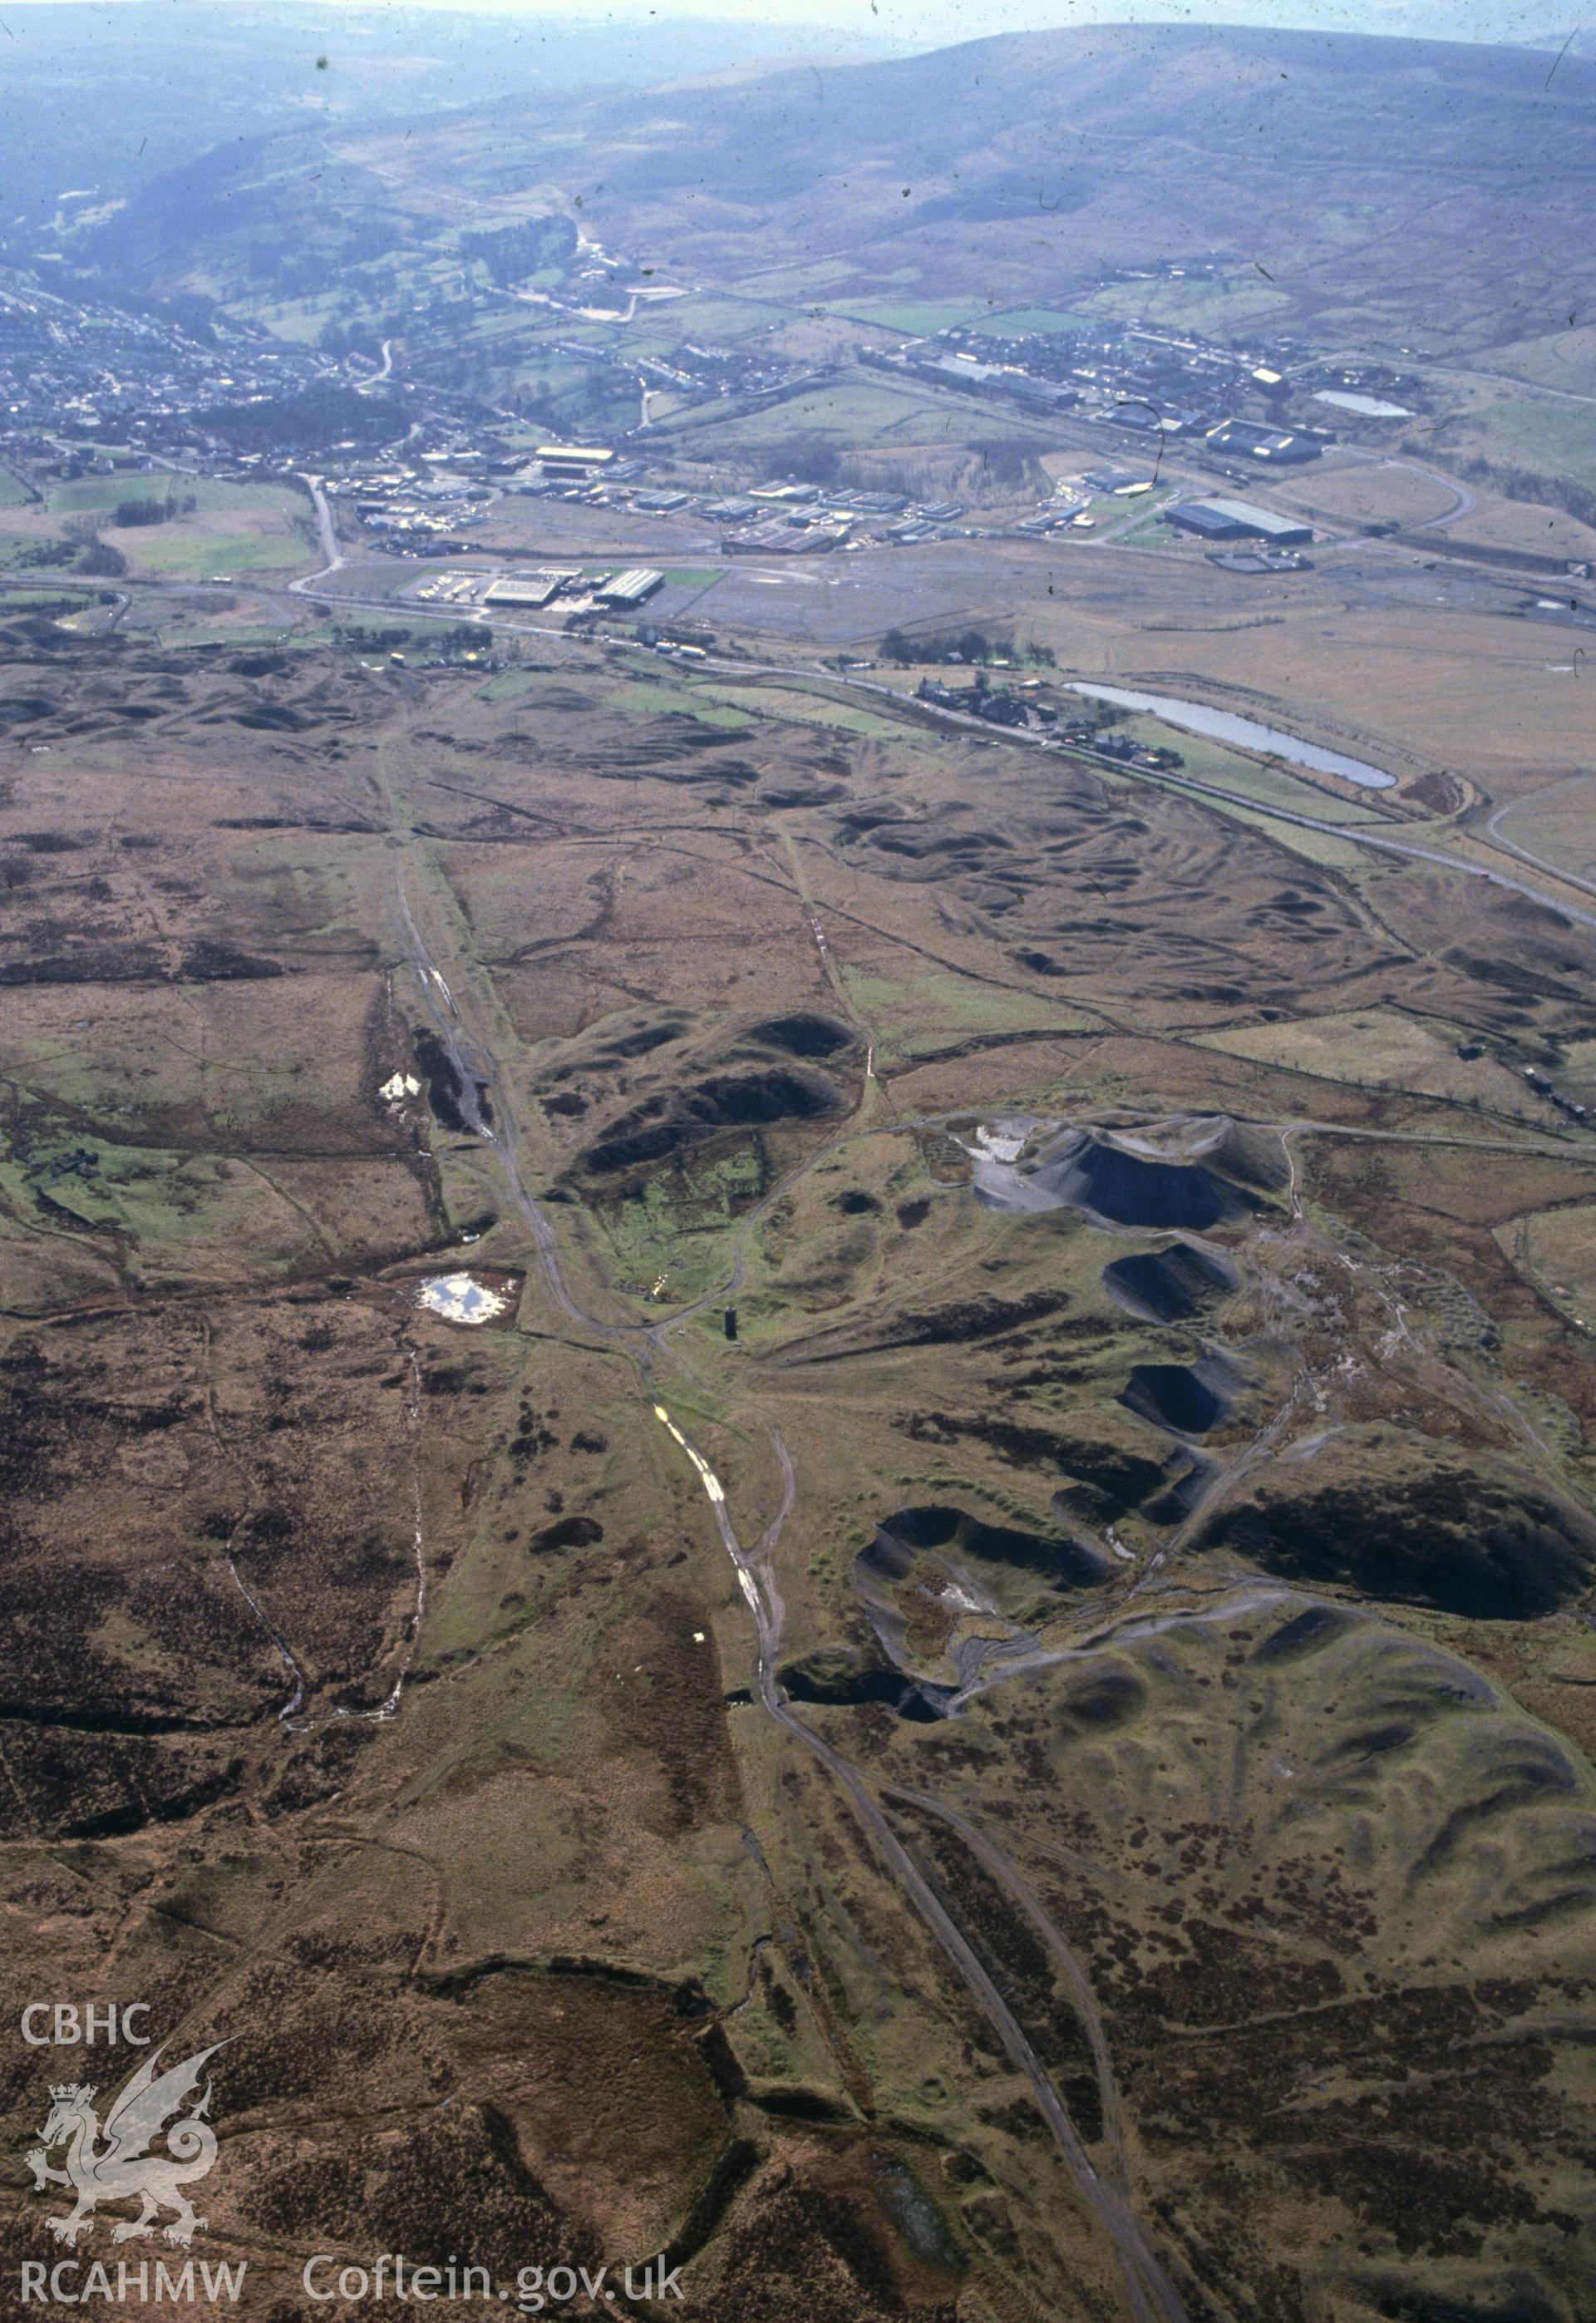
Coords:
1211,762
792,702
230,529
672,1225
510,685
1190,304
209,495
680,702
45,600
864,411
1039,320
12,491
1556,437
299,320
794,281
914,1015
181,554
167,1202
1147,530
663,326
26,552
501,323
916,317
245,633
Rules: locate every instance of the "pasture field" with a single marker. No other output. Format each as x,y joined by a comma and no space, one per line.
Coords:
210,494
1556,438
916,1016
712,705
1271,784
798,702
1555,1250
1380,489
913,317
1039,320
1553,825
1374,1048
1192,303
230,527
719,318
859,412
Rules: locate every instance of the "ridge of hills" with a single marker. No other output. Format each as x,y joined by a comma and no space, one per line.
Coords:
96,102
1380,186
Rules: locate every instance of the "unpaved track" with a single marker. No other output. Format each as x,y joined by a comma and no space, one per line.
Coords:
1147,2289
1149,2292
1008,1876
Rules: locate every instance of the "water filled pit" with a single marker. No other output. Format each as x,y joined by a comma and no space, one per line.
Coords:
1247,733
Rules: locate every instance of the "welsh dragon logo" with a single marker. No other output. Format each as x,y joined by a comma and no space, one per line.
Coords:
123,2169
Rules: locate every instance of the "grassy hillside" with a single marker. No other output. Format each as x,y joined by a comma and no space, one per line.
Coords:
97,102
1381,188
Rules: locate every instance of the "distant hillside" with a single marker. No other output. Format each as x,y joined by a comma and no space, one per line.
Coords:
96,101
1381,187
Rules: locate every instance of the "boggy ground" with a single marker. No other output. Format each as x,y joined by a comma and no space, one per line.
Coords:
1190,1547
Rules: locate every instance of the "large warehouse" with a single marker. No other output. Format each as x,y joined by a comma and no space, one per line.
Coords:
630,588
530,589
1280,445
574,460
1227,520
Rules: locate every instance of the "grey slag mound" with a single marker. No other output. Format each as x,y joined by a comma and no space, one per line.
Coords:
1255,1155
1183,1174
1138,1190
801,1034
1165,1286
666,1123
1188,1399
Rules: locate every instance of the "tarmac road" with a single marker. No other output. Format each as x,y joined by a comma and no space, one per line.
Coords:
1493,827
335,558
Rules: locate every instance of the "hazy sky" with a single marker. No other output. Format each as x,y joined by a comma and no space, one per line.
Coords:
928,22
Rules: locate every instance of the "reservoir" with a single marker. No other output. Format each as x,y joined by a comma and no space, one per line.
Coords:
1225,726
1369,406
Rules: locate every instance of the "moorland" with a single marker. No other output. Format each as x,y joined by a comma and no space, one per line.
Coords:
797,1438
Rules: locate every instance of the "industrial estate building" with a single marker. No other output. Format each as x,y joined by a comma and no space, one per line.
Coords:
532,590
634,587
572,460
1227,519
1278,445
